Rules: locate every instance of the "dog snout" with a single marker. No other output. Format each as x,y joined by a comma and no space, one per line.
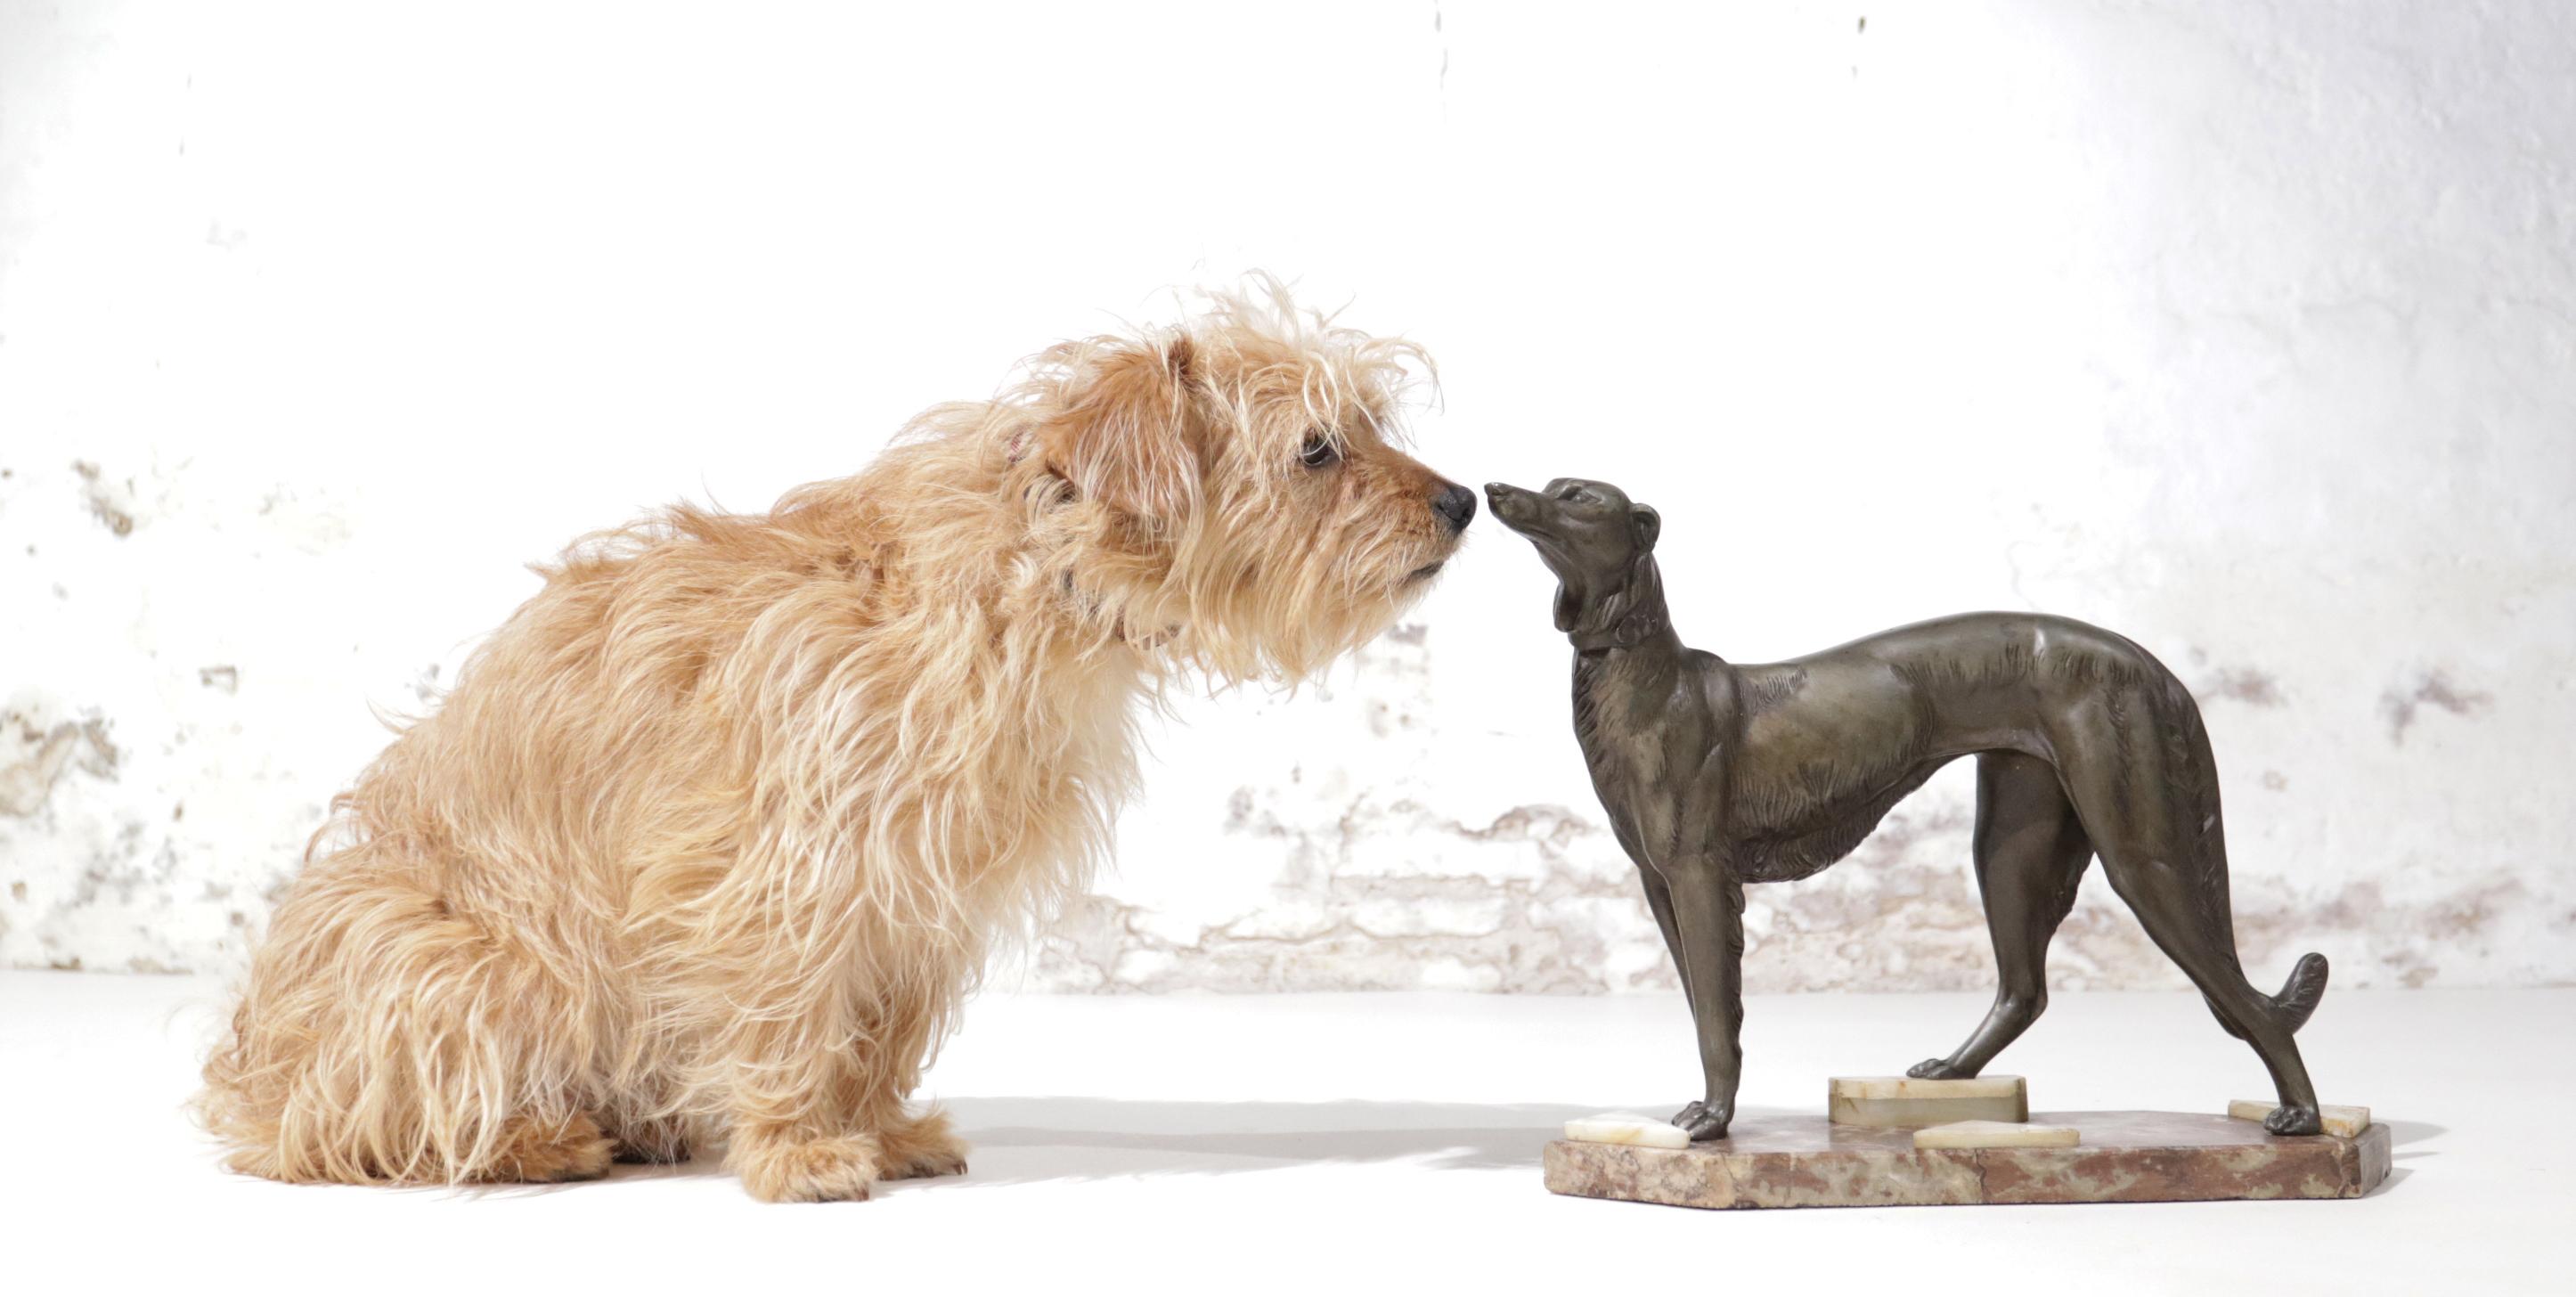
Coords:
1456,505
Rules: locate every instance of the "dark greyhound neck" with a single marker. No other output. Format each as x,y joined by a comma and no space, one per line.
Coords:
1627,618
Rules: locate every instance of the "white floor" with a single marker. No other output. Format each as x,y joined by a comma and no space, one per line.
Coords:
1337,1142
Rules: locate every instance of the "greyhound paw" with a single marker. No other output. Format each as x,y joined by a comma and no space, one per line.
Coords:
2291,1120
1938,1069
1706,1123
1690,1112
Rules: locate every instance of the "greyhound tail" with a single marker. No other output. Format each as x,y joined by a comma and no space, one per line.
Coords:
2298,997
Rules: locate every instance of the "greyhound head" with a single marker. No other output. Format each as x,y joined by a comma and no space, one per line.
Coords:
1601,547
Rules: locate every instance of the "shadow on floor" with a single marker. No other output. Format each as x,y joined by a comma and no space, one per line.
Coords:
2401,1134
1019,1140
1025,1140
1022,1140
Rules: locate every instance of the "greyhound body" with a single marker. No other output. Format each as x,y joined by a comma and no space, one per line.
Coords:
1716,775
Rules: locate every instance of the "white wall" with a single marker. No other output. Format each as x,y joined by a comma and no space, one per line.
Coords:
2243,328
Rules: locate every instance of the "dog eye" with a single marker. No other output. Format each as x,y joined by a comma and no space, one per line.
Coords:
1319,453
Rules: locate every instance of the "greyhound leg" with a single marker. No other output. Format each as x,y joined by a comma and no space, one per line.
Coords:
2164,906
2165,856
1659,898
2030,853
1708,913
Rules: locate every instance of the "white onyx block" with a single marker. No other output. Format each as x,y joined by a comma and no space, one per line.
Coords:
1900,1101
2346,1122
1627,1128
1994,1134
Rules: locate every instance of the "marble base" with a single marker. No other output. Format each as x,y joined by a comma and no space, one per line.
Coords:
1997,1134
1627,1128
1913,1101
2337,1119
1806,1161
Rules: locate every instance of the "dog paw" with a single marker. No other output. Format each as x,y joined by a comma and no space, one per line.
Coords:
649,1154
2293,1120
921,1147
840,1169
1937,1069
1708,1123
533,1151
926,1165
651,1143
1690,1112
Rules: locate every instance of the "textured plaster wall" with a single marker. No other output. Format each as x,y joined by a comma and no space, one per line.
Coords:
2248,329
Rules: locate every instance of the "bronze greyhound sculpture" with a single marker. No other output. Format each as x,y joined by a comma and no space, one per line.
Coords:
1717,775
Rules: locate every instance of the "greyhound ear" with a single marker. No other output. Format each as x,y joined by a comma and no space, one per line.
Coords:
1648,524
1569,605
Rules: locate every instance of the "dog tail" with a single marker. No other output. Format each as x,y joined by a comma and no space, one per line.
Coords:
2298,997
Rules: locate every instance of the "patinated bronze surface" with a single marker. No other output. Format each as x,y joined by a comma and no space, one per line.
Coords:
1716,775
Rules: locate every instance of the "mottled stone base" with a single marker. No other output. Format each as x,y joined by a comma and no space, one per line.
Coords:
2125,1157
1914,1101
1627,1128
1996,1134
2336,1118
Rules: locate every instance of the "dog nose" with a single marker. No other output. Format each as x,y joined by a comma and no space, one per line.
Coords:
1457,504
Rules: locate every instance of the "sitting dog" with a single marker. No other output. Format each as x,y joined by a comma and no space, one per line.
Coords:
1717,775
713,834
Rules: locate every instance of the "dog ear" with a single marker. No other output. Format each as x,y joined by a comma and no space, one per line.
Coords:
1648,525
1123,435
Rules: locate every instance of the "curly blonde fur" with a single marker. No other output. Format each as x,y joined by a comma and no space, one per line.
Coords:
712,836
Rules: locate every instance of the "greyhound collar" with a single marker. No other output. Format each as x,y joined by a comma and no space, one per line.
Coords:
1628,632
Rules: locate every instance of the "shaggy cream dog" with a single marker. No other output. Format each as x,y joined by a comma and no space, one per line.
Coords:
713,834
